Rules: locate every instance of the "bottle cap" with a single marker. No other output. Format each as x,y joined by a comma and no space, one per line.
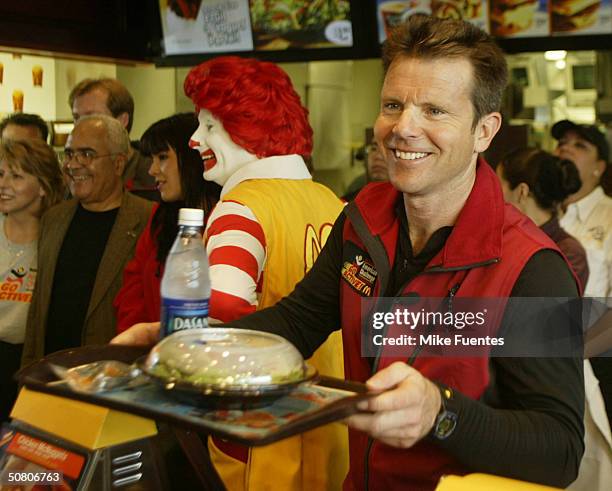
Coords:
191,216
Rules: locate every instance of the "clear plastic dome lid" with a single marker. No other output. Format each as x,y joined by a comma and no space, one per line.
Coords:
227,359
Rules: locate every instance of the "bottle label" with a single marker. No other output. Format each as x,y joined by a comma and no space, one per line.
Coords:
179,314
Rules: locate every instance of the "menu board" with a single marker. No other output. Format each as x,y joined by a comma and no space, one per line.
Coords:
205,26
392,13
507,18
216,26
571,17
519,18
286,24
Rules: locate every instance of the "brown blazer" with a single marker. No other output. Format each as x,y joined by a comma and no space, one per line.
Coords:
100,320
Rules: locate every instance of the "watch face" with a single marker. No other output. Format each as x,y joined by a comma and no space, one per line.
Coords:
445,425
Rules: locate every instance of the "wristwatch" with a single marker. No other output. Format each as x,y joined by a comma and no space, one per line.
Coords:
446,421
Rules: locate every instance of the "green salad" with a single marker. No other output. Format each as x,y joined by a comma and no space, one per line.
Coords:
221,378
295,15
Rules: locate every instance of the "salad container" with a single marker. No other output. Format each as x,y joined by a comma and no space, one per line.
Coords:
227,368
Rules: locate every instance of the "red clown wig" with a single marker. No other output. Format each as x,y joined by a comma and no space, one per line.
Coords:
255,102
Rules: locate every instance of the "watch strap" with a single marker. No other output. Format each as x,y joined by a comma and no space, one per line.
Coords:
446,420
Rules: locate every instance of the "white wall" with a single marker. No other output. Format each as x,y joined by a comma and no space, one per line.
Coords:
298,73
154,94
17,75
367,82
343,99
183,103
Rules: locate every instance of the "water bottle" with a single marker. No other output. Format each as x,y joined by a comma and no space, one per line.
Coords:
185,286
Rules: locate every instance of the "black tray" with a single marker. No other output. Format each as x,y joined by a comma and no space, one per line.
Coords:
307,407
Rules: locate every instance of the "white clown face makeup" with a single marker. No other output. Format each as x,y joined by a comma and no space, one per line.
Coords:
220,155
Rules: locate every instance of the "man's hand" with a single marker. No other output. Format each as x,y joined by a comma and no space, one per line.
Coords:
405,412
142,334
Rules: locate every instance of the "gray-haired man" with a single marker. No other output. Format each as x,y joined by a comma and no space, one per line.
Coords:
85,243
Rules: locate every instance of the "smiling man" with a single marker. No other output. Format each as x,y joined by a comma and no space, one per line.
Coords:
85,243
440,229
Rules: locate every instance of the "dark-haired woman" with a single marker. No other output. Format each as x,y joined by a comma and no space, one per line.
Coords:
177,170
537,182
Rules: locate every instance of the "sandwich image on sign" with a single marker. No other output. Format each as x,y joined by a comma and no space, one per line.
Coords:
509,17
573,15
447,9
474,11
456,9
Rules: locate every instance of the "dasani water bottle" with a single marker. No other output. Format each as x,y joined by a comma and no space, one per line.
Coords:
185,286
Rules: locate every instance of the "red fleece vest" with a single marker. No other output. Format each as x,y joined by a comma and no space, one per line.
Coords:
490,244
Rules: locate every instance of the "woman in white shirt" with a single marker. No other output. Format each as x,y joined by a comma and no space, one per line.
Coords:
589,219
589,211
30,182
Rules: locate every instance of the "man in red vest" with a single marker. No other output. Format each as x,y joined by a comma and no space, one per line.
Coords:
440,229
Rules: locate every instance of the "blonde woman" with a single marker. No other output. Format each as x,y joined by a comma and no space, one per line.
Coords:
30,182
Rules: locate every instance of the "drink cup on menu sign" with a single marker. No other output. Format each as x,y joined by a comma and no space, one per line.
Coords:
18,101
37,76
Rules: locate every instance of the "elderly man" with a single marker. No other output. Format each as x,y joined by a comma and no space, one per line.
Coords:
109,96
23,126
85,243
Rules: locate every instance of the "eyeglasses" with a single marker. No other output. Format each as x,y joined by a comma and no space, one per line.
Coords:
83,157
372,147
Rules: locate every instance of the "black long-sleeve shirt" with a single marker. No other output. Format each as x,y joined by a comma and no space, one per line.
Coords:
529,423
75,275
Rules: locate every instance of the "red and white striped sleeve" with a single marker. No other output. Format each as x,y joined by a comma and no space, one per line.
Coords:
236,247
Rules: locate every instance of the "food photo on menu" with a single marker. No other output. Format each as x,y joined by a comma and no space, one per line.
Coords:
581,16
393,13
187,9
285,24
519,18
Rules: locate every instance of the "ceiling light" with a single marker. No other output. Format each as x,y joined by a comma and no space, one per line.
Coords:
555,55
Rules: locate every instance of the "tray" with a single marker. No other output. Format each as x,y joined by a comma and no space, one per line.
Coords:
307,407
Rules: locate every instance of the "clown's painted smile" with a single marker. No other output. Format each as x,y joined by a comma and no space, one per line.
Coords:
209,158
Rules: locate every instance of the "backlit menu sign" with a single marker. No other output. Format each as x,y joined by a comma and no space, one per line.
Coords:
216,26
391,13
519,18
205,26
569,17
507,18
